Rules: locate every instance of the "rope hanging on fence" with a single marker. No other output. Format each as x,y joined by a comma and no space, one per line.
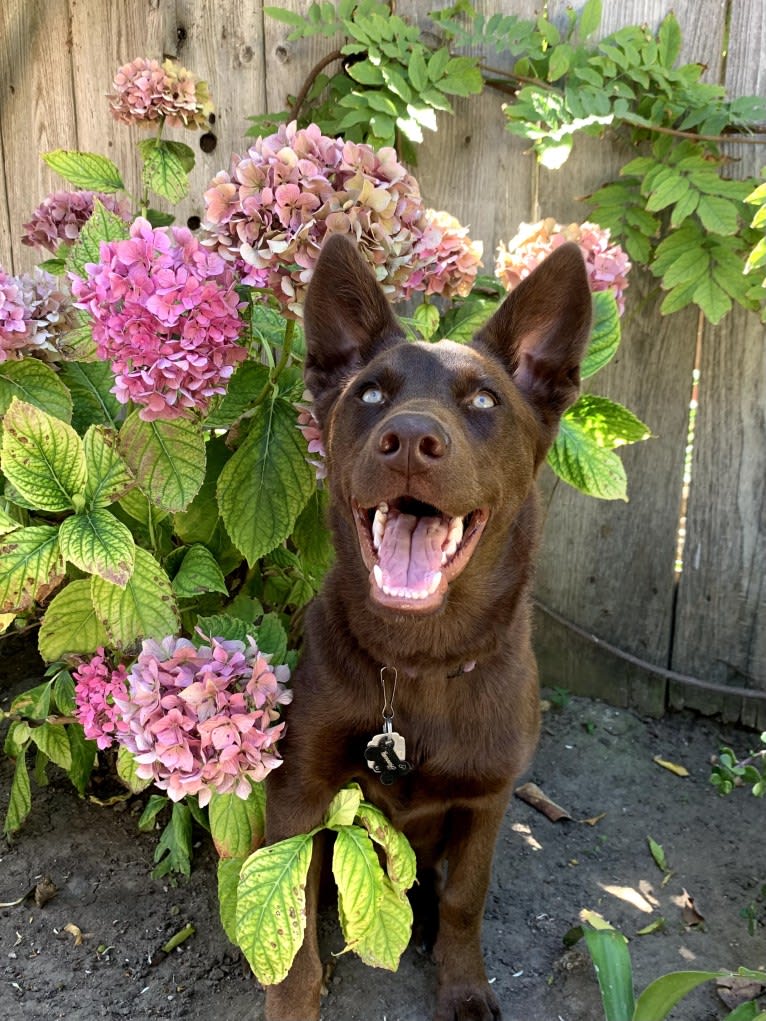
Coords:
668,675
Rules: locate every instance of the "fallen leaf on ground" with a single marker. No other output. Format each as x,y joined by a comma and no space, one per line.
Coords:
76,931
532,795
671,766
656,926
658,853
45,890
734,991
595,820
689,913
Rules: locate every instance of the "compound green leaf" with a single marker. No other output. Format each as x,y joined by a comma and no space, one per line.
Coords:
718,215
34,382
98,543
266,484
144,608
42,457
271,906
712,299
31,567
167,459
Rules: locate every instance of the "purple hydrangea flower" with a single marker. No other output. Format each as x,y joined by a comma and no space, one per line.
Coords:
14,318
61,216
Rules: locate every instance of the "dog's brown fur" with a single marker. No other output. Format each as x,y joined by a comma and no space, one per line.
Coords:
468,734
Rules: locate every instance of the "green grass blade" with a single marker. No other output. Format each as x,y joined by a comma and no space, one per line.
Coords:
611,959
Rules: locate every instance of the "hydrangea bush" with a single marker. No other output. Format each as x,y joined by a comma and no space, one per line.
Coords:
162,466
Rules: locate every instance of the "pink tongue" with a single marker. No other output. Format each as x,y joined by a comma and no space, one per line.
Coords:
411,551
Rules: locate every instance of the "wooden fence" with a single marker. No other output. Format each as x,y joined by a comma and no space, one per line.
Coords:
607,569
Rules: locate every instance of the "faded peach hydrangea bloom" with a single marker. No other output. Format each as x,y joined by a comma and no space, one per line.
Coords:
606,263
145,91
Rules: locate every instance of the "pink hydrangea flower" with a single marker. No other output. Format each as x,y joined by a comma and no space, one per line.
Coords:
204,719
146,92
270,214
14,318
446,259
97,687
606,263
61,216
52,314
166,315
312,434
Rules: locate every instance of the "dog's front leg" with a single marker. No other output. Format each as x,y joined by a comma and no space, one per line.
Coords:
464,993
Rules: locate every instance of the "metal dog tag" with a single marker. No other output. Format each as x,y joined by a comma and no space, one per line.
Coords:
385,755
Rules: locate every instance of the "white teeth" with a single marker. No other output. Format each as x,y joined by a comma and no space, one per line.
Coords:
398,592
378,576
454,535
379,524
435,582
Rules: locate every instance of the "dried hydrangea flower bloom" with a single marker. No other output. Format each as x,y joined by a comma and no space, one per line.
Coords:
52,314
61,216
606,263
312,434
446,259
166,315
145,92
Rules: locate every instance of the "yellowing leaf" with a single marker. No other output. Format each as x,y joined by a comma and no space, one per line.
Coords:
671,766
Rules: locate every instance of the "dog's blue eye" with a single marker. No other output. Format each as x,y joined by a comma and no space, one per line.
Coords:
372,395
483,400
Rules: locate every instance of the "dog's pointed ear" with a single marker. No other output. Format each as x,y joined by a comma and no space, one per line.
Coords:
541,330
347,318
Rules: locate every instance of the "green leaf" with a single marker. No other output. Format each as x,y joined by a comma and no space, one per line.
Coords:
359,879
34,382
147,820
127,770
271,906
90,384
52,740
264,487
590,19
199,573
560,61
166,167
611,960
98,543
167,458
718,215
145,608
34,703
70,624
285,16
605,336
417,69
577,459
272,638
712,299
396,83
401,865
670,190
461,324
426,317
658,854
462,77
7,523
109,478
608,424
222,625
102,225
387,937
31,567
42,457
20,799
174,850
660,996
228,881
17,738
365,73
62,691
83,757
85,169
311,536
343,807
237,825
244,386
669,39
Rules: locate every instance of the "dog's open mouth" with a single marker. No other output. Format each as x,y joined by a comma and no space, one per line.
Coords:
413,550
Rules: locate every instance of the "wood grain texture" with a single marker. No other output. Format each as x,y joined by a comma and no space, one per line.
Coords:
721,620
37,111
746,75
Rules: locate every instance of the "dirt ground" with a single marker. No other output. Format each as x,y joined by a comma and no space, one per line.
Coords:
593,759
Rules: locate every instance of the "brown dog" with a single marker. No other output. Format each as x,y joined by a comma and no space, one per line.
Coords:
432,452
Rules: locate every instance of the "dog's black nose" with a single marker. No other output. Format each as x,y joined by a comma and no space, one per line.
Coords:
412,443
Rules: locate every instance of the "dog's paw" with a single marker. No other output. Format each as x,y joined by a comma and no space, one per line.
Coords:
467,1003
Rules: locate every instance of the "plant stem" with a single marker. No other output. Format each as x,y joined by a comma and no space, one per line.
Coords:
287,345
311,77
